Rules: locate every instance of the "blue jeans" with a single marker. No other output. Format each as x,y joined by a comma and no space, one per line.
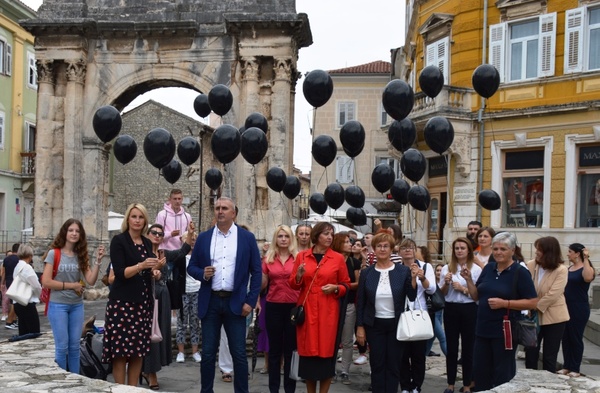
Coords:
219,313
66,321
438,332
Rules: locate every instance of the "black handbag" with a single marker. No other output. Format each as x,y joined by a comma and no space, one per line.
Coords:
297,314
436,301
525,332
174,295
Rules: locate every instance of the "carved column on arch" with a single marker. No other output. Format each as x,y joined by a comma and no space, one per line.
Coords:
73,170
48,198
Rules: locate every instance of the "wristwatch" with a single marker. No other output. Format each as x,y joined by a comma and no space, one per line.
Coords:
336,290
466,292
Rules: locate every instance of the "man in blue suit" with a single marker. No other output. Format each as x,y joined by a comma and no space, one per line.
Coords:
225,259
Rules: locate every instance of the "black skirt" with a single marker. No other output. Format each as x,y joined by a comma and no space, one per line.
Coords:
315,368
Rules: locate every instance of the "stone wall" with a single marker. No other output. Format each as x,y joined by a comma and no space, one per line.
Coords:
139,182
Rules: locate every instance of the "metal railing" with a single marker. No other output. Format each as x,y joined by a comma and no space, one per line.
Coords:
8,238
28,163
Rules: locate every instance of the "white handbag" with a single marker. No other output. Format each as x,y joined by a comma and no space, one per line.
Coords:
414,325
19,291
294,365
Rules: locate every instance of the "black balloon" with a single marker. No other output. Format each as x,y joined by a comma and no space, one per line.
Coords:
317,88
172,171
201,105
383,177
318,203
402,134
431,81
439,134
254,145
324,150
398,99
486,80
257,120
107,123
489,199
125,149
413,164
220,99
334,195
355,196
352,137
159,147
226,143
419,198
291,188
399,191
356,216
213,178
188,150
276,179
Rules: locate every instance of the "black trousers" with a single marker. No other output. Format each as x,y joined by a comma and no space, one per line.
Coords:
572,342
282,340
386,353
29,320
412,366
459,322
552,336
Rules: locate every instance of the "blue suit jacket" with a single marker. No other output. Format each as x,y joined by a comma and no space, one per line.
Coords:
247,268
401,284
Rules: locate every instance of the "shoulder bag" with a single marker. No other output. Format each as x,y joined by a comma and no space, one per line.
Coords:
437,301
155,335
525,329
414,325
297,314
45,295
19,291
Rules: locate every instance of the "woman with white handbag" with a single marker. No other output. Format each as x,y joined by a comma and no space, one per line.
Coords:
382,292
29,321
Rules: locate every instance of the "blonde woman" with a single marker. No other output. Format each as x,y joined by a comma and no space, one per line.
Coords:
303,237
281,298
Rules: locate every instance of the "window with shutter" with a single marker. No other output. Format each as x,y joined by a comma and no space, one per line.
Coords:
32,71
547,44
573,36
346,112
437,54
8,67
2,130
344,169
497,43
594,39
2,56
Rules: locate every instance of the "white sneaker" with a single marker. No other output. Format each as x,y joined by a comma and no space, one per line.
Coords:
362,359
339,359
4,317
197,357
180,357
405,391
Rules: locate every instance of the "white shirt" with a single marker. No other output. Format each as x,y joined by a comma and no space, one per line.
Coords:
420,302
454,296
223,253
384,300
191,284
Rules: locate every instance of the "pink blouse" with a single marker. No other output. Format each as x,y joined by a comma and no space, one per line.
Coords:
279,288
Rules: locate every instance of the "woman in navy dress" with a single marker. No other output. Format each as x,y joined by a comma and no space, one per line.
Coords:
581,274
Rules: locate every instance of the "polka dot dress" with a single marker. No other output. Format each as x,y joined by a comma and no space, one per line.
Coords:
128,324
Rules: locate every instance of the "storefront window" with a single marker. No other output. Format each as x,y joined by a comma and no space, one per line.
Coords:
588,193
523,185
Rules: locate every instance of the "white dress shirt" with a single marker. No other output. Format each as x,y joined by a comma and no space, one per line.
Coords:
223,253
454,296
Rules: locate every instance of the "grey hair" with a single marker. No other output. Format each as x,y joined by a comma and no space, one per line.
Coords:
506,238
24,251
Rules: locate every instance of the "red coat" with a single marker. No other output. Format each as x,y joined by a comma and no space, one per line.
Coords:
316,336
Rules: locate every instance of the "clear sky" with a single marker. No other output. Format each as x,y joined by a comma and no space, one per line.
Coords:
345,33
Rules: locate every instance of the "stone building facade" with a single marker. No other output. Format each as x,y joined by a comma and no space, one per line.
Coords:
139,182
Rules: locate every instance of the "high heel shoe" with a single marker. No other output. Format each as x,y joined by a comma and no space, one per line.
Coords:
144,378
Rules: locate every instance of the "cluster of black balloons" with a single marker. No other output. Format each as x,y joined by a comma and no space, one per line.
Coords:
159,145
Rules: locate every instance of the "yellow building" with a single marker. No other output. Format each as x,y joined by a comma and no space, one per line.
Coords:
18,97
536,141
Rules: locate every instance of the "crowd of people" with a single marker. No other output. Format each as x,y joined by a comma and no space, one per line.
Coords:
342,291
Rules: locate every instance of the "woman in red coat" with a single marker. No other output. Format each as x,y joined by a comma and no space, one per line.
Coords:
322,277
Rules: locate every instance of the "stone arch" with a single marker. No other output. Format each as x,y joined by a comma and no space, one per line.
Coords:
97,52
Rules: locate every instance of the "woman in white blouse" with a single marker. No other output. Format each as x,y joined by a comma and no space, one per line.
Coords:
460,312
484,250
413,362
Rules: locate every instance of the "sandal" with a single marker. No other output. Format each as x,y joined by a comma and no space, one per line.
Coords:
564,371
264,370
226,377
574,374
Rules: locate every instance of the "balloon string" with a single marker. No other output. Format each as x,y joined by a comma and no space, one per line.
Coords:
158,194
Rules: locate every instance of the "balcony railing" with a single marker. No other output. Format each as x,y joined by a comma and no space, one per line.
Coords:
28,163
450,100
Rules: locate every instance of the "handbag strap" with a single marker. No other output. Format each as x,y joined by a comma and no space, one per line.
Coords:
311,283
56,262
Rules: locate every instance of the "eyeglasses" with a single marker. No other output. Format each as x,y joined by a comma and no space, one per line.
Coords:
406,249
156,233
383,246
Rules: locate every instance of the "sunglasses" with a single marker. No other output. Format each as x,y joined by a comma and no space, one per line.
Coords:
156,233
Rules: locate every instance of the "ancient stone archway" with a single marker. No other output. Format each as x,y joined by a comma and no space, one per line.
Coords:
98,52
